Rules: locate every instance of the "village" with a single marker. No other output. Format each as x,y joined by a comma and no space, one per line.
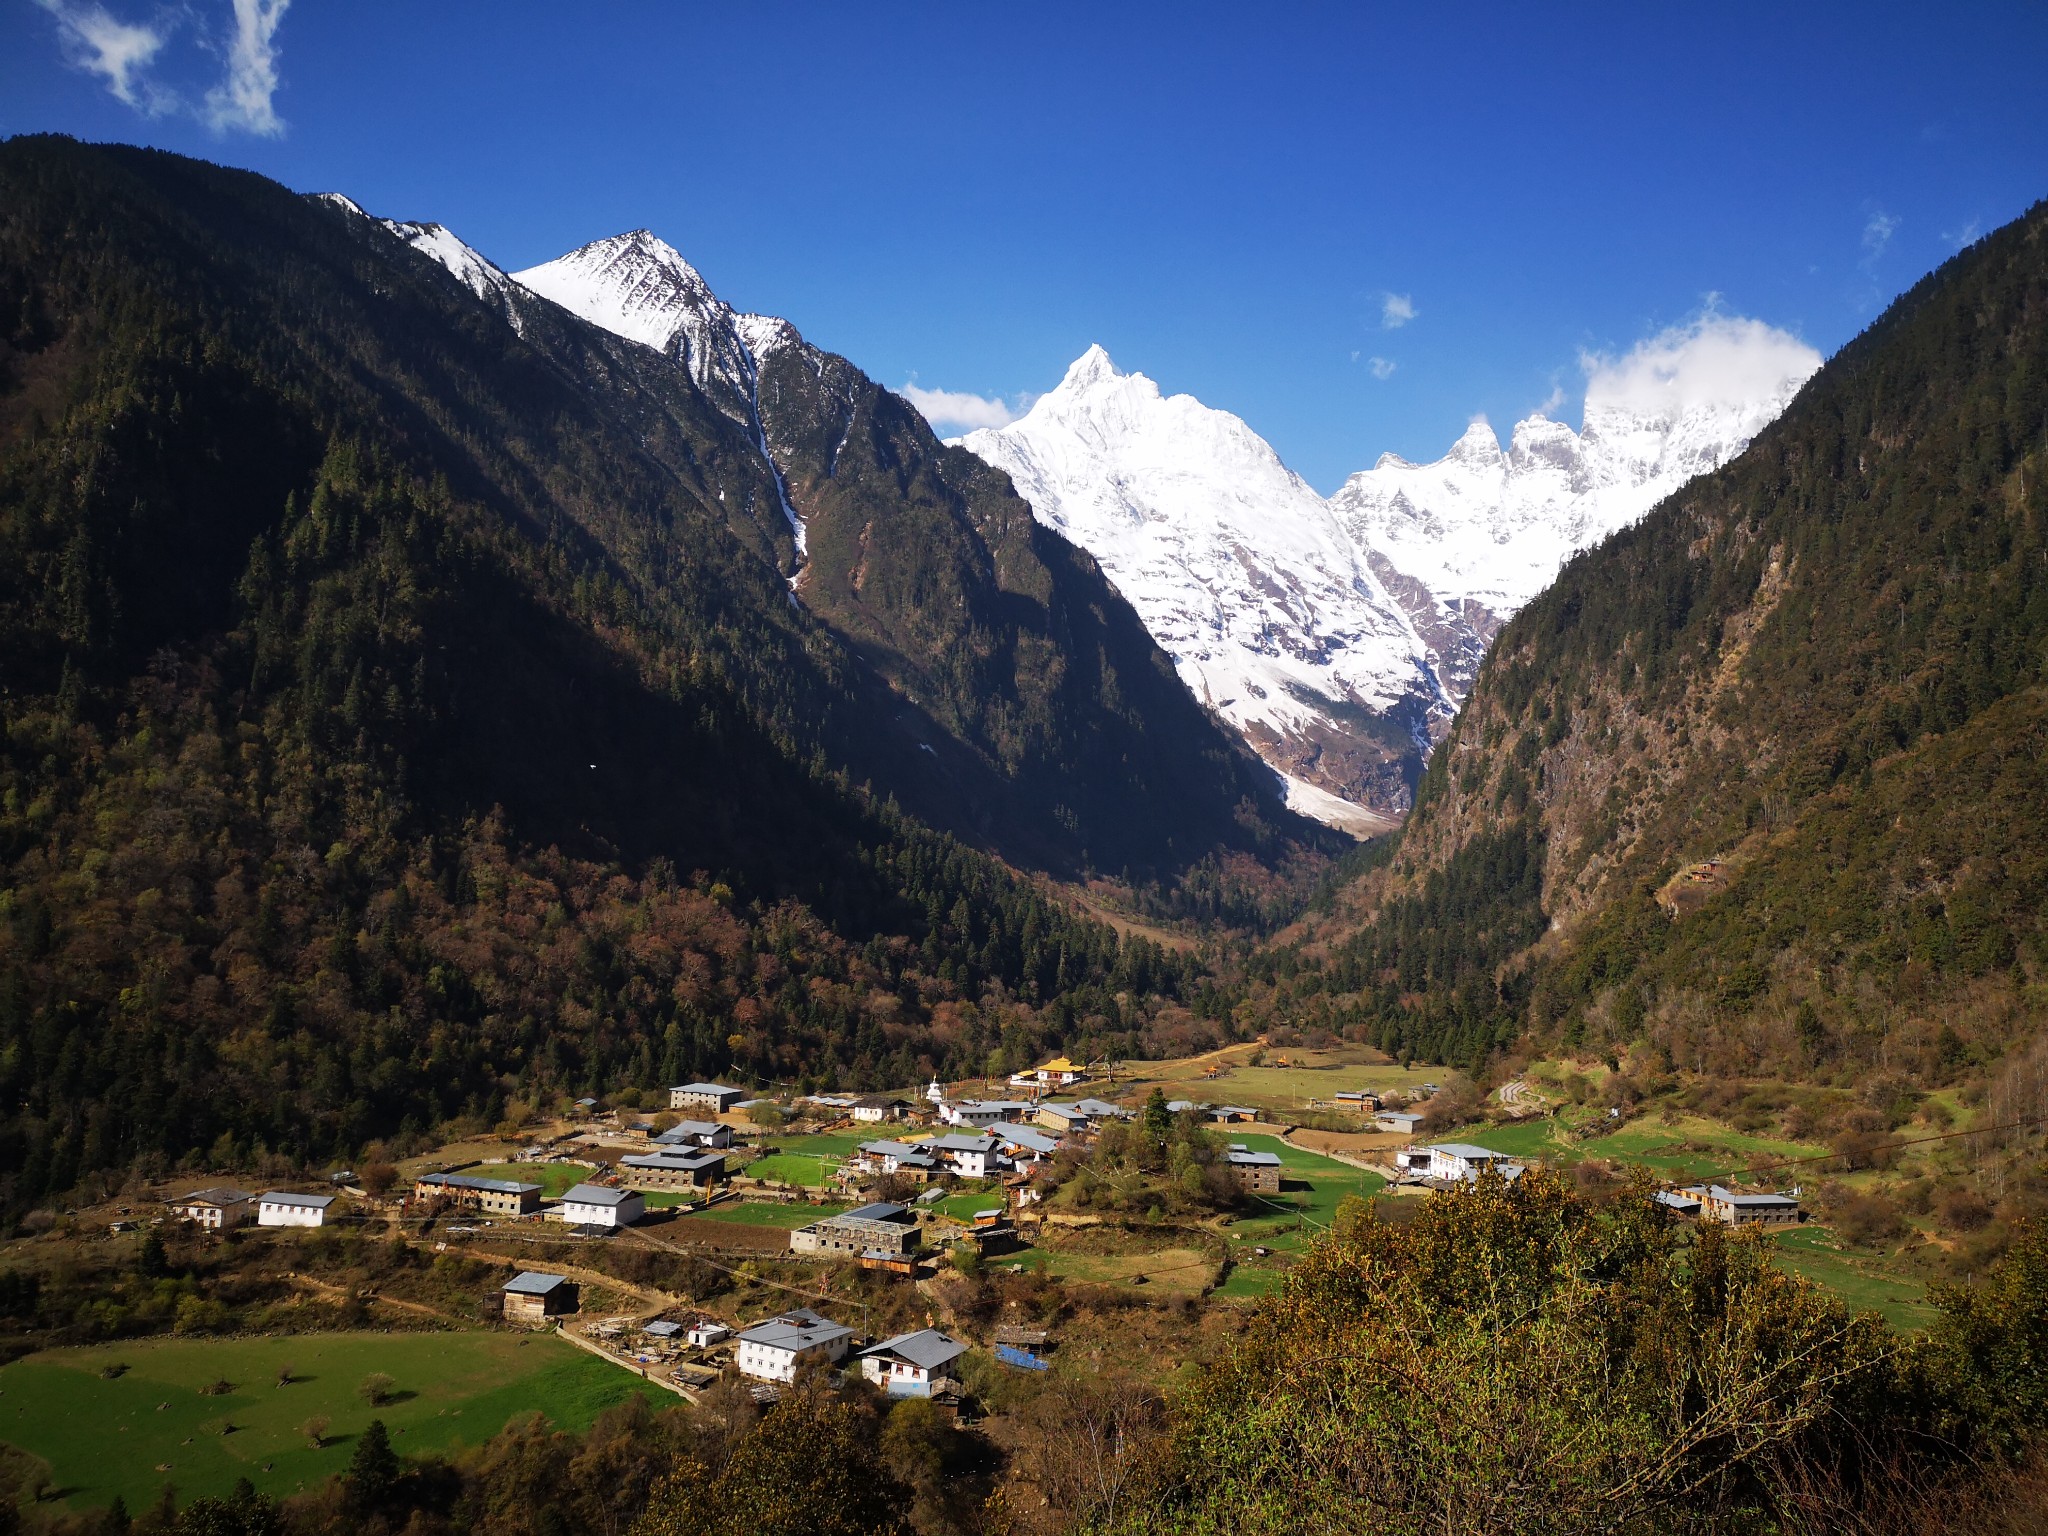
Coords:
914,1185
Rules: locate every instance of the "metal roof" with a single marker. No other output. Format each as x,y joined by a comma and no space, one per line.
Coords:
663,1330
1466,1150
599,1194
681,1162
795,1331
881,1210
928,1349
704,1088
220,1194
1243,1159
285,1197
533,1282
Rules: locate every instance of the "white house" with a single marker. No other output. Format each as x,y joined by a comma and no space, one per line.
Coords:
911,1364
1461,1161
214,1208
599,1205
280,1208
877,1107
972,1157
715,1097
705,1332
772,1350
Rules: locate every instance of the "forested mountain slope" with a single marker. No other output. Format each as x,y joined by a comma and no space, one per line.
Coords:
1764,778
405,716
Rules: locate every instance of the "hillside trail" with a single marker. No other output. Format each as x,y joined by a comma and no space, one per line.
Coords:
378,1299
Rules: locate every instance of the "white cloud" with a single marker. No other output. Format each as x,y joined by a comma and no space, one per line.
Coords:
117,51
1714,359
1959,238
1551,401
1877,234
1382,368
1396,310
243,100
961,411
124,53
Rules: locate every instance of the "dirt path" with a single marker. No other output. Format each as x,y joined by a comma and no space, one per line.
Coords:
337,1293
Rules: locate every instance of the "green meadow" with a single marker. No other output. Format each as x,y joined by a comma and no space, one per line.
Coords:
128,1434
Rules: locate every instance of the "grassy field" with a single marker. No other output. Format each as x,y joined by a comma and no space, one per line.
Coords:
767,1213
1318,1075
150,1425
1860,1281
807,1160
962,1207
1311,1189
1690,1146
1165,1271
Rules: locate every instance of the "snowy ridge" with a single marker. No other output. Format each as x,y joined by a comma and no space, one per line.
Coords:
1492,528
1237,567
473,270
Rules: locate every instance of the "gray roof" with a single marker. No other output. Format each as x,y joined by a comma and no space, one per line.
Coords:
599,1194
1177,1106
533,1282
936,1192
463,1181
959,1143
285,1197
1399,1114
663,1330
220,1194
881,1210
1100,1107
795,1331
1238,1157
1466,1150
683,1130
1024,1136
704,1088
681,1162
928,1349
1733,1197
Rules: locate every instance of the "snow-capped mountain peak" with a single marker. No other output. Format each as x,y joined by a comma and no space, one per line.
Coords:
1236,566
1091,367
638,286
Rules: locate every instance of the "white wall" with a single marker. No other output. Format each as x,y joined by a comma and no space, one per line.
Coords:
268,1215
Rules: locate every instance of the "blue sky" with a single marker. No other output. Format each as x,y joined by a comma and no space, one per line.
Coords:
1249,203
